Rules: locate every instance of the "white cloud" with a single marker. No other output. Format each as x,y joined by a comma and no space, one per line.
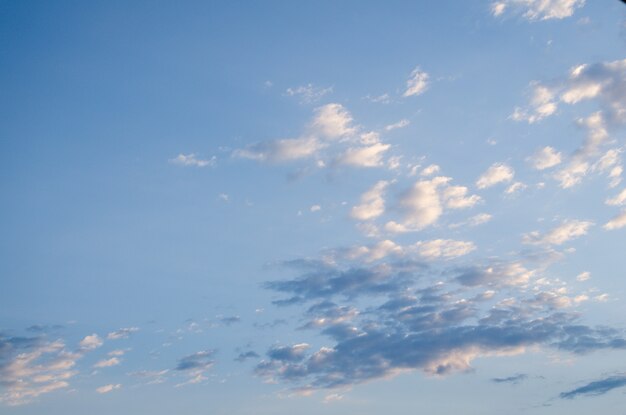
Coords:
538,9
545,158
114,361
333,121
382,99
444,248
617,222
515,187
400,124
122,333
421,204
308,93
370,156
108,388
618,200
288,149
315,208
567,231
417,83
572,174
378,251
91,342
583,276
372,203
455,197
497,173
192,160
430,170
542,103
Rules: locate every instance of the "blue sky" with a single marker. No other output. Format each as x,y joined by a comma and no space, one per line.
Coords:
323,207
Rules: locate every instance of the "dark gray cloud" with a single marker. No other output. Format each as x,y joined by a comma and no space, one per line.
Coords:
598,387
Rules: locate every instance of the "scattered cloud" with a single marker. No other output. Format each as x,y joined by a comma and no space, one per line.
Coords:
122,333
497,173
596,388
114,361
417,83
545,158
617,222
108,388
308,93
372,203
91,342
400,124
534,10
568,230
191,160
515,379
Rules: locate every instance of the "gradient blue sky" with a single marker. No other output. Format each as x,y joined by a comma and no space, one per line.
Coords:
324,207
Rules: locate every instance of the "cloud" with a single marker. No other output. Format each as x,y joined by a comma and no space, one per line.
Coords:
430,170
538,9
444,248
192,160
108,388
33,366
122,333
545,158
596,388
247,355
497,173
617,222
617,200
568,230
367,156
308,93
114,361
475,220
413,317
417,83
197,361
400,124
331,122
515,379
91,342
372,203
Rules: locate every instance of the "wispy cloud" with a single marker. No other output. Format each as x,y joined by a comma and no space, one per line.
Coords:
598,387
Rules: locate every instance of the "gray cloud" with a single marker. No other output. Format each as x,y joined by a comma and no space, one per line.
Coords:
598,387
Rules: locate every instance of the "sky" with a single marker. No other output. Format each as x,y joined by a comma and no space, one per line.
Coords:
334,207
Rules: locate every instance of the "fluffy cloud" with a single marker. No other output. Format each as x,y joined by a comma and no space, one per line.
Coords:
417,83
617,222
538,9
91,342
192,160
565,232
368,156
424,203
400,124
497,173
108,388
617,200
372,203
114,361
545,158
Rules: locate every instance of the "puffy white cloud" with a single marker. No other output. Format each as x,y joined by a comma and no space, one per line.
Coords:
421,204
372,203
315,208
515,187
583,276
538,9
444,248
567,231
333,121
192,160
617,222
545,158
497,173
108,388
377,251
542,105
417,83
369,156
455,197
91,342
572,174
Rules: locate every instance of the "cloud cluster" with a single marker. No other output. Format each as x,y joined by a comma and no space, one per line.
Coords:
538,9
413,316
